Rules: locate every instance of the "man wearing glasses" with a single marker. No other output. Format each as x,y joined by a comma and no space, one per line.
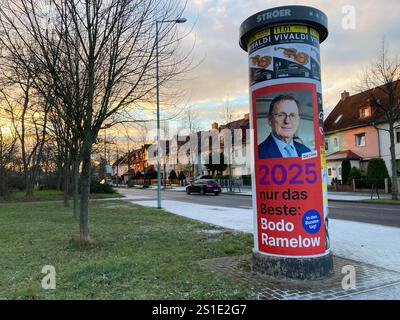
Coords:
284,119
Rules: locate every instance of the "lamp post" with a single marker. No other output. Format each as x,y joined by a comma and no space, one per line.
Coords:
158,23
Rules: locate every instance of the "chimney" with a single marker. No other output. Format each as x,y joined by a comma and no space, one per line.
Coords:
214,125
345,95
246,116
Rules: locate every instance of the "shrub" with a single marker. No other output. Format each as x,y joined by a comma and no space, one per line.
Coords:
246,180
354,173
138,175
150,174
346,168
172,175
100,186
181,176
377,172
16,182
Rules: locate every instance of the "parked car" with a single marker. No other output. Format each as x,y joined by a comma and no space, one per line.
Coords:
204,186
201,177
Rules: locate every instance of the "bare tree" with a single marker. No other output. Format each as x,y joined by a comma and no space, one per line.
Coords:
27,116
97,56
8,151
381,84
191,125
226,116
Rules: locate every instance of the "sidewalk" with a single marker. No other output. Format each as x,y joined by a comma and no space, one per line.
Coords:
366,243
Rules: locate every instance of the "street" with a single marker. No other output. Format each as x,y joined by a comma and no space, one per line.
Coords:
380,214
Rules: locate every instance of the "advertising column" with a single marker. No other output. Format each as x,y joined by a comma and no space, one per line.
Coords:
291,236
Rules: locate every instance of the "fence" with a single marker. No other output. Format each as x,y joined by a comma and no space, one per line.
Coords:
360,185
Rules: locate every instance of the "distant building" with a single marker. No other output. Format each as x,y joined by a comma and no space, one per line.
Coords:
351,133
140,159
240,153
132,162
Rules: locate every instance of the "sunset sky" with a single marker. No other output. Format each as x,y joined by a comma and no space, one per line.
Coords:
220,77
223,74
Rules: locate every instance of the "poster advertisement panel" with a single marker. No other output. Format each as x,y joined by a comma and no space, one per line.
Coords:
289,149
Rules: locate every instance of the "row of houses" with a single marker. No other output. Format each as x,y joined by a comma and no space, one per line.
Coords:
353,131
143,158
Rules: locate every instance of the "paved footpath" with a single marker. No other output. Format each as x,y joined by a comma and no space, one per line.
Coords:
367,243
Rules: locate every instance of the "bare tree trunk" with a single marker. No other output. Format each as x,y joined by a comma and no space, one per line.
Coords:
3,183
85,187
66,175
75,187
28,183
59,178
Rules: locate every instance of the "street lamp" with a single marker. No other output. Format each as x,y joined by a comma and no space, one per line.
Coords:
159,22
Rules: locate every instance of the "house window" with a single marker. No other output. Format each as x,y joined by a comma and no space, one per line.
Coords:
330,172
335,142
365,112
398,135
360,140
326,144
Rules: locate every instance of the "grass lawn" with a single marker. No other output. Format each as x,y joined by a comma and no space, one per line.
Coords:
135,253
51,195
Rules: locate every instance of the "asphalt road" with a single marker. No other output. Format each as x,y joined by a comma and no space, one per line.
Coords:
381,214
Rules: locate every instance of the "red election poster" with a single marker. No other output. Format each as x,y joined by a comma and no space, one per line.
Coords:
289,155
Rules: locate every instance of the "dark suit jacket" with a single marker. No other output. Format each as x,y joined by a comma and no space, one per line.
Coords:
269,149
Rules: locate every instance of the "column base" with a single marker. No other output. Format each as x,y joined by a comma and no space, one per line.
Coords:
293,268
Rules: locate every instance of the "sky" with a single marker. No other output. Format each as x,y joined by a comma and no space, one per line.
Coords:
222,76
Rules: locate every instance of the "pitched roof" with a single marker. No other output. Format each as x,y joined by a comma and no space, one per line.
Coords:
346,114
119,161
237,124
342,155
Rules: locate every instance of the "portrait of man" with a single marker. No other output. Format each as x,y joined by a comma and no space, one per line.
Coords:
284,119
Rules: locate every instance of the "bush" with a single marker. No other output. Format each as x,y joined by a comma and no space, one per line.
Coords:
96,186
138,175
16,182
172,175
181,176
377,172
48,182
246,180
354,173
346,168
150,174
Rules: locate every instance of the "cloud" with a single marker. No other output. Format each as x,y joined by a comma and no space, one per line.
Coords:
224,70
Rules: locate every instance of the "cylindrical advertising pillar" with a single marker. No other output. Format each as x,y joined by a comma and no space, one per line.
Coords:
289,182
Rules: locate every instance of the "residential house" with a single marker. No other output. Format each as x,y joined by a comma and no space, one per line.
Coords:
351,132
140,159
384,150
240,153
132,162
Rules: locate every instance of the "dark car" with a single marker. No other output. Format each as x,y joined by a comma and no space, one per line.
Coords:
204,186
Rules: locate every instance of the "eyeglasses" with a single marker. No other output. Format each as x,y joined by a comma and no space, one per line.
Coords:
283,116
